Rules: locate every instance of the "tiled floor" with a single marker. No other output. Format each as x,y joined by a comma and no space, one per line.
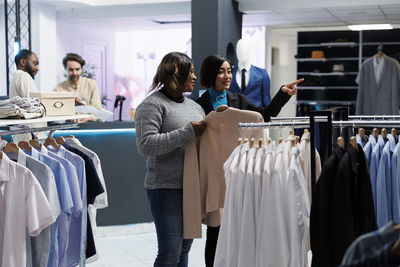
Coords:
136,246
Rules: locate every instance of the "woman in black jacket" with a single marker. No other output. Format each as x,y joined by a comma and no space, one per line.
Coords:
216,75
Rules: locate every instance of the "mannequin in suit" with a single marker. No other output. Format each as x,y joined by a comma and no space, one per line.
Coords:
256,84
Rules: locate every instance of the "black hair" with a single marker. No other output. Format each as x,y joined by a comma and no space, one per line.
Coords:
209,69
23,54
173,71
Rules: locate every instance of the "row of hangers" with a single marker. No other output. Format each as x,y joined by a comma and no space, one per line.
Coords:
293,139
35,143
361,133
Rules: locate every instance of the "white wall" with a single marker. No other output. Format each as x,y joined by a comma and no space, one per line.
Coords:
72,37
43,32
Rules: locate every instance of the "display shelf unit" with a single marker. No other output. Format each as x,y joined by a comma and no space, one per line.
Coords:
6,122
324,85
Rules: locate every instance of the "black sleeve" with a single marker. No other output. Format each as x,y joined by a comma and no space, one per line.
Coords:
273,109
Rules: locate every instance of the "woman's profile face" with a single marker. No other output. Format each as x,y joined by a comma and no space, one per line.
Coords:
224,77
190,81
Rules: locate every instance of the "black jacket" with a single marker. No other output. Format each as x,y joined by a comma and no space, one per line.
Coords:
342,207
353,210
320,219
240,101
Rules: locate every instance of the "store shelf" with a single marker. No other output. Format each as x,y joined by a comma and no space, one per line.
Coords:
327,73
6,122
332,44
327,59
325,87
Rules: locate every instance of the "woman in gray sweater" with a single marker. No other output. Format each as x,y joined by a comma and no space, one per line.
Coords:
165,122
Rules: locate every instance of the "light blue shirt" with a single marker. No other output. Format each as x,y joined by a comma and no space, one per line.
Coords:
367,151
381,143
78,232
64,229
66,203
372,140
360,140
375,156
396,183
384,188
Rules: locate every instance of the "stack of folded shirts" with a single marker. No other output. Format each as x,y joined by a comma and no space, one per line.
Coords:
21,108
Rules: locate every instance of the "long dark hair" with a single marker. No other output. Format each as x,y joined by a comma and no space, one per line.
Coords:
172,71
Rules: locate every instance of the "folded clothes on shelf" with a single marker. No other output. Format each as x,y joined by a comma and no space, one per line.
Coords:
21,108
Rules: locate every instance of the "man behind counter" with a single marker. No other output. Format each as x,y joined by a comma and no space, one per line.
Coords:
85,88
27,66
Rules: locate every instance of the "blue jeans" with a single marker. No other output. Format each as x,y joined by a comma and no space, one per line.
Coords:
166,208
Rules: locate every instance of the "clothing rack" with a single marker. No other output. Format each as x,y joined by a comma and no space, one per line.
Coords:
326,116
52,128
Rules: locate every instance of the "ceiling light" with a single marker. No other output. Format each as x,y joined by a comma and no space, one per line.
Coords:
361,27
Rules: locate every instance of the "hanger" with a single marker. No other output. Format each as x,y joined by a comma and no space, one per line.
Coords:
375,133
269,141
60,140
361,133
353,142
35,143
221,108
1,154
70,136
340,142
50,141
393,132
11,147
252,142
25,146
260,143
380,52
280,140
384,133
396,228
297,139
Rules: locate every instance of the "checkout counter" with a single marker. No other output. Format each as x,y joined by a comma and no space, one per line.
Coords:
123,167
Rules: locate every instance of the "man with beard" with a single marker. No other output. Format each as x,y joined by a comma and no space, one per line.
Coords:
85,88
27,66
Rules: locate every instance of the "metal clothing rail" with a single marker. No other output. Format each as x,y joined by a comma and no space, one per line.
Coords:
352,117
39,129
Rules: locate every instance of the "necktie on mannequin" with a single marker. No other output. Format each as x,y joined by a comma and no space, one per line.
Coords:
243,87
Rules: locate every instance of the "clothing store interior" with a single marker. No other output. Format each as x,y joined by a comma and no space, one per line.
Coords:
244,133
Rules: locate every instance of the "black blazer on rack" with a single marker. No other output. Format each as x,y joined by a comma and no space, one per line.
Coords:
342,206
240,101
353,207
320,220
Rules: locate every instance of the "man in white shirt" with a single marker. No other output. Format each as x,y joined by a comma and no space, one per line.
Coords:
22,82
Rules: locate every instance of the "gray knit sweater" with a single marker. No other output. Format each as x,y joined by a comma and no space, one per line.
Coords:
162,131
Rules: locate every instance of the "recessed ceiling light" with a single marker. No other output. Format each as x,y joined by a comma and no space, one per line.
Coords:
361,27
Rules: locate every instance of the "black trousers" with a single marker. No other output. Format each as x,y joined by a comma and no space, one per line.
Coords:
211,245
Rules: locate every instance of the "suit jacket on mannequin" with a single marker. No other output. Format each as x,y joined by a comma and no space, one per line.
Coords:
258,88
239,101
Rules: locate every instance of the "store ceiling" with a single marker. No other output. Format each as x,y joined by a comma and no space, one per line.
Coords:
128,14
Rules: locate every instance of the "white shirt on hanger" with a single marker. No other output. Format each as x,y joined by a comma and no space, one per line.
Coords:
272,248
228,238
23,207
248,234
297,210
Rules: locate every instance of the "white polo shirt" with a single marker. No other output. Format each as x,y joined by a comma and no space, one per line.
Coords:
23,206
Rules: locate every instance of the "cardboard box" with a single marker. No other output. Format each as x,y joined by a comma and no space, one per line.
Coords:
57,103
